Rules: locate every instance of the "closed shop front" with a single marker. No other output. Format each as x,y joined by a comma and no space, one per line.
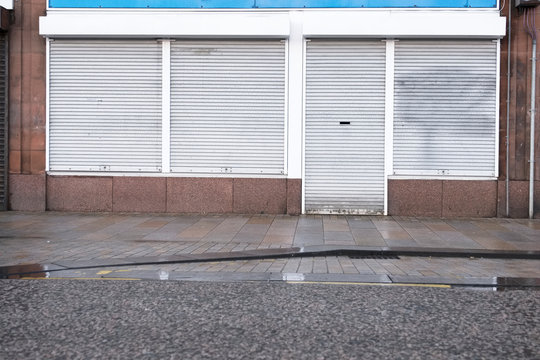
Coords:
105,105
339,110
445,120
344,140
228,106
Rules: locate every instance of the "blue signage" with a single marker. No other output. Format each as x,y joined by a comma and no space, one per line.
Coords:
270,4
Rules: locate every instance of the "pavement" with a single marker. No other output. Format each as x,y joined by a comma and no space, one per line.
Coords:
373,249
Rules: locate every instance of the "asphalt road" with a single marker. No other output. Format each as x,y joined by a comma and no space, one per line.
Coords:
70,319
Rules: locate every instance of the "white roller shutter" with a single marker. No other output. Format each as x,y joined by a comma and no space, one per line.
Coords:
228,106
344,140
105,105
445,107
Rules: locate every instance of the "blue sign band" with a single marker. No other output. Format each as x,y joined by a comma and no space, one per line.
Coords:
270,4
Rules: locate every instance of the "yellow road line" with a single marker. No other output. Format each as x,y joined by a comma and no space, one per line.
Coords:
372,284
104,272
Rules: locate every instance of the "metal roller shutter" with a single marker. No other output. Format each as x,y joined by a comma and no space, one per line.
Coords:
445,107
105,105
344,144
3,121
228,106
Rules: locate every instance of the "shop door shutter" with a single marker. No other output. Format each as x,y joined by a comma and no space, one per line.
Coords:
105,105
228,106
344,144
3,122
445,107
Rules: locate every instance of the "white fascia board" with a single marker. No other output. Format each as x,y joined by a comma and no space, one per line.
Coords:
163,24
403,23
7,4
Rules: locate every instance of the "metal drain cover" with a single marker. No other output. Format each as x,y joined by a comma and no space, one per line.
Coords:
375,257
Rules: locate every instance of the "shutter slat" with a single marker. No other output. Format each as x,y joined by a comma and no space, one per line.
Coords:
345,81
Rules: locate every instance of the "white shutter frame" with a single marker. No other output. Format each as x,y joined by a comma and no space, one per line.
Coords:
228,106
345,164
105,105
445,111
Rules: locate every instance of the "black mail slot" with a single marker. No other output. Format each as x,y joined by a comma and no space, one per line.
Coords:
344,123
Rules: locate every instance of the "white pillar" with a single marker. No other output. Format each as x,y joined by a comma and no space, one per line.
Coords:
295,96
388,119
166,106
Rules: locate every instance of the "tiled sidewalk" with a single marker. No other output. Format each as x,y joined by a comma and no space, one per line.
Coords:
49,237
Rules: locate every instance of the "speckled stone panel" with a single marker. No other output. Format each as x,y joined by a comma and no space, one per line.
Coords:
79,193
199,195
27,192
294,196
519,199
415,197
468,198
501,198
139,194
537,199
260,196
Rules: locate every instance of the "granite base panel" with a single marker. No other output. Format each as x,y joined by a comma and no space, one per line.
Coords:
518,199
173,195
27,192
442,198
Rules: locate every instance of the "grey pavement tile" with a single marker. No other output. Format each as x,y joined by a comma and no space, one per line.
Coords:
338,237
277,240
489,241
387,224
334,223
306,238
362,267
227,229
346,265
410,223
263,266
391,268
291,266
398,238
442,280
457,240
333,264
360,222
247,267
306,265
319,265
375,266
201,228
357,278
489,224
425,238
232,266
437,225
277,266
252,233
527,231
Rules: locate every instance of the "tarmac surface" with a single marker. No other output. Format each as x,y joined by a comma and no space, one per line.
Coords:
266,247
58,319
